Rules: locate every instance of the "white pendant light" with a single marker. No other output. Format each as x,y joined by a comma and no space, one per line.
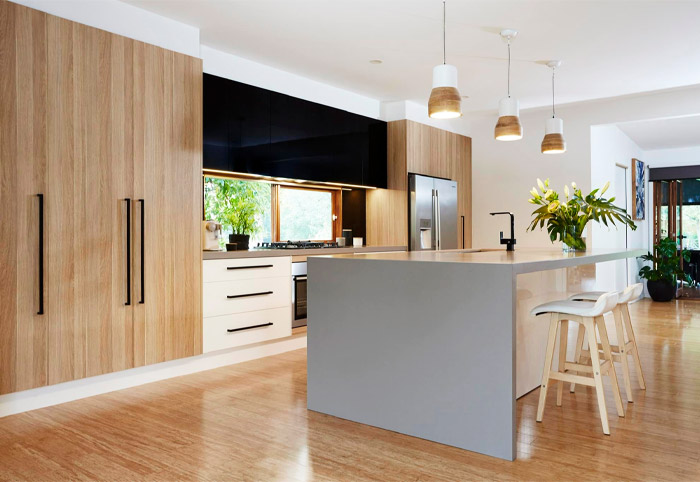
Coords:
445,101
553,142
508,127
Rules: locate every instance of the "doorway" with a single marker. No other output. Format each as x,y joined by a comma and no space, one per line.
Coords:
677,216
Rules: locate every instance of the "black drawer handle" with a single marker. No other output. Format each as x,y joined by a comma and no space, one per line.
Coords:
230,297
231,330
250,267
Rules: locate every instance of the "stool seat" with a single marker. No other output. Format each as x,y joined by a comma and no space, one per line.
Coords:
630,293
570,307
602,304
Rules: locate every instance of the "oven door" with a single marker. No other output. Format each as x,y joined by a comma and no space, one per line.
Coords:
298,295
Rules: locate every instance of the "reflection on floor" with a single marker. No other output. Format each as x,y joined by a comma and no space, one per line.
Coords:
249,422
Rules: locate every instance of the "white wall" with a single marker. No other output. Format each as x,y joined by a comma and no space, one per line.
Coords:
681,156
611,146
504,172
124,19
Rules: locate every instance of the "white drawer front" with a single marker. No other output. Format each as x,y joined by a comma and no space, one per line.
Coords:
246,268
225,297
251,327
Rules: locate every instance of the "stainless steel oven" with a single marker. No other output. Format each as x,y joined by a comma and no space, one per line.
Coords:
298,294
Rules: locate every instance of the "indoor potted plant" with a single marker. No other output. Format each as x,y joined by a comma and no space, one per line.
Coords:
665,270
237,205
567,218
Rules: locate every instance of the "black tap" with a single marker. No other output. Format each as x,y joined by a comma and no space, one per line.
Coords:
509,242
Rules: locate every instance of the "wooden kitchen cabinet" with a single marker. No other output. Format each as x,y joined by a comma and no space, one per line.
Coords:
168,177
95,123
420,149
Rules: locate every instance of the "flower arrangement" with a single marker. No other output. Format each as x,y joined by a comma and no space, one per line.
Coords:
567,218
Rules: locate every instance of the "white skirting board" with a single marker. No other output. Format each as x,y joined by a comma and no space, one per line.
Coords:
27,400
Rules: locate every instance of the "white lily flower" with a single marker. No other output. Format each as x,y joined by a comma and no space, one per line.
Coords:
540,184
573,184
605,188
566,191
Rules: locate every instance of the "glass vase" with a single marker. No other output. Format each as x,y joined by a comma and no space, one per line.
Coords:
573,240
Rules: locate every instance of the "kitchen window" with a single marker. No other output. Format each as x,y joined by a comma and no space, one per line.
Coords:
305,214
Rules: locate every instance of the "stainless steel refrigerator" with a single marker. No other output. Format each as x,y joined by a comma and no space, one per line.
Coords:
432,213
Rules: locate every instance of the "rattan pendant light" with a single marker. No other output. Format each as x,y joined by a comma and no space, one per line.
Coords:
508,127
553,142
445,101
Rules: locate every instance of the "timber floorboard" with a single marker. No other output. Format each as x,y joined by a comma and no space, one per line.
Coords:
249,422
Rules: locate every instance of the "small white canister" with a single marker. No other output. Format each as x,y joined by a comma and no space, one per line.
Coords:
357,242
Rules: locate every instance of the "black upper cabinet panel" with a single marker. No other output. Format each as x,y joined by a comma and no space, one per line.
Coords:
277,135
216,129
250,127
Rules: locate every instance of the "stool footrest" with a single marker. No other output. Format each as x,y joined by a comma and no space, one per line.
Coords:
578,367
569,377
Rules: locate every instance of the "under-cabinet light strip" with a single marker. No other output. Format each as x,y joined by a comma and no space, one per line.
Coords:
282,180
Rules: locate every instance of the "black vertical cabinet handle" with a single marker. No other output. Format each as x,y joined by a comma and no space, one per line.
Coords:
41,254
128,251
463,232
143,252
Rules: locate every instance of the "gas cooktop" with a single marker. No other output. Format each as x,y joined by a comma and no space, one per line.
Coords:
296,245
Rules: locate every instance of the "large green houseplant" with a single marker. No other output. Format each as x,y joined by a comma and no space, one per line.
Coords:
567,217
665,270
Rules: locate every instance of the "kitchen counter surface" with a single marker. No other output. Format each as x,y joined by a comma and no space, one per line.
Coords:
523,260
264,253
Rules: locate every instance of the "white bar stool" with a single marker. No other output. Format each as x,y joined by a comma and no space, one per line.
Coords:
588,315
623,348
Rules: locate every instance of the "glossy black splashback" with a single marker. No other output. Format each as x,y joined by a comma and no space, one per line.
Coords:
257,131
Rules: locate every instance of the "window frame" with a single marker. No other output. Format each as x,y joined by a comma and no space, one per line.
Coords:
336,210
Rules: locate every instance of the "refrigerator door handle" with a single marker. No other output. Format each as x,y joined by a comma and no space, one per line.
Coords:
433,241
437,210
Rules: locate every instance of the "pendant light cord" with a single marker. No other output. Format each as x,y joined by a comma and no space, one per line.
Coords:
509,68
444,43
553,113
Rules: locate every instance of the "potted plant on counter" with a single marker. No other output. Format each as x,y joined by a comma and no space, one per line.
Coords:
665,270
237,204
566,218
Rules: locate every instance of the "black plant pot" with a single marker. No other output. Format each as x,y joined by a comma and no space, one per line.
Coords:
241,240
661,290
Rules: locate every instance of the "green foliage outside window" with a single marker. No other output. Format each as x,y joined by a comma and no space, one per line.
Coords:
242,207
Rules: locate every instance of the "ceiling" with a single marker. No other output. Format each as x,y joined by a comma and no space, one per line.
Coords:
608,48
664,133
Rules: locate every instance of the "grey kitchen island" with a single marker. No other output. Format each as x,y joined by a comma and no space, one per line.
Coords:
437,345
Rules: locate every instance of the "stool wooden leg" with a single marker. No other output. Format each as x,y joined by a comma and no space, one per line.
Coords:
620,333
563,338
602,330
635,348
579,347
597,375
549,354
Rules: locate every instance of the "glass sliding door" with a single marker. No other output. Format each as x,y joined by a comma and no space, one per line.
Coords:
677,216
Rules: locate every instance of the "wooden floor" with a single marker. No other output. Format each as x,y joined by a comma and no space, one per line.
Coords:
249,422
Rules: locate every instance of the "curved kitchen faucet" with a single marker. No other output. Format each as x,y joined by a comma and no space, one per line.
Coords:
509,242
